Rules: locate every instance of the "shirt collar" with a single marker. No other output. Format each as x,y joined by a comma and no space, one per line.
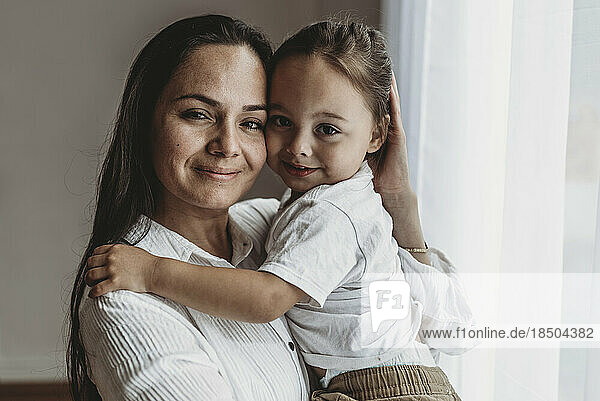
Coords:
364,175
363,172
161,241
240,240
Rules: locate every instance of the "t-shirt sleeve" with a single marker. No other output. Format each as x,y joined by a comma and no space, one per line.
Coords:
314,247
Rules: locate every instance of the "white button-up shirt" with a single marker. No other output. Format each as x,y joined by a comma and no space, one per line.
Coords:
141,346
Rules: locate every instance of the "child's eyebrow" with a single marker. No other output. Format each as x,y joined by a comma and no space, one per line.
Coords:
278,107
329,114
275,106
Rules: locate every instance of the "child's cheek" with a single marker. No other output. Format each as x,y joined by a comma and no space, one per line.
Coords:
343,160
273,146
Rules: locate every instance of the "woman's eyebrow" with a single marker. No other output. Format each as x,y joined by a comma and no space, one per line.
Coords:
201,98
255,107
217,104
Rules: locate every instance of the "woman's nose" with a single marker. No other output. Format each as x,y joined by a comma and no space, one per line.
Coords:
226,142
299,144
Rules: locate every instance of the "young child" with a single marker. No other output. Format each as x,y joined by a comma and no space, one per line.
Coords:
329,112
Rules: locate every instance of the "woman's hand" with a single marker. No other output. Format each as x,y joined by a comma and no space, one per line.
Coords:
120,267
391,181
392,175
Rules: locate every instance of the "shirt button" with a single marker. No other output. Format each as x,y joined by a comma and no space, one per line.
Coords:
291,345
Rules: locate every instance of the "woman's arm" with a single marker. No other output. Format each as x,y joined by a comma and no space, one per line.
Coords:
432,278
391,181
404,209
445,303
237,294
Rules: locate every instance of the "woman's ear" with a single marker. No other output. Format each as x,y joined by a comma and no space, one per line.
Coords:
379,134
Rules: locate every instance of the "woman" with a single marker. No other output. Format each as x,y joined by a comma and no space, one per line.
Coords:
187,144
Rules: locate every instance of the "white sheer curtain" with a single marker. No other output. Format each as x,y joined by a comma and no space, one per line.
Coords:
506,164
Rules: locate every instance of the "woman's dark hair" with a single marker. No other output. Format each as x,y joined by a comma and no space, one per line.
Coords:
127,186
355,50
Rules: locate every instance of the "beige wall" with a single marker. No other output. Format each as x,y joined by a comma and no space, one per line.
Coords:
62,68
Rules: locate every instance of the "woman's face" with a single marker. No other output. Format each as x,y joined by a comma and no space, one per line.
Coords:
320,127
208,144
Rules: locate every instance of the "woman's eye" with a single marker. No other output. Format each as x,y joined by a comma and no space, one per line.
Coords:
253,125
194,115
327,129
281,122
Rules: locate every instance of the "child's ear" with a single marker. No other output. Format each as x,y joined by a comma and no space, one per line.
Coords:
379,134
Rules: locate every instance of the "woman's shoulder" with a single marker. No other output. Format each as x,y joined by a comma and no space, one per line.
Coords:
125,308
255,211
255,217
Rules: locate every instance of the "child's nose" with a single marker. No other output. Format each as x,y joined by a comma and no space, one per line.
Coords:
300,145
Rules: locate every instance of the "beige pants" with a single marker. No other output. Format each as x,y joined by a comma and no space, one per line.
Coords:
389,383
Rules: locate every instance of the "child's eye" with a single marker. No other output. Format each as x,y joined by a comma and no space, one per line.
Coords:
253,125
280,122
327,129
194,115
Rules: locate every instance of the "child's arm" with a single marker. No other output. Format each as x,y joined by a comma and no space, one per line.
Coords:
238,294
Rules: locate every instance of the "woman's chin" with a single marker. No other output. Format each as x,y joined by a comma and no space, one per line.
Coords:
205,196
212,203
217,193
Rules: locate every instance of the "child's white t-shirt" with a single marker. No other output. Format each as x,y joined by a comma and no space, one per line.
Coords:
331,243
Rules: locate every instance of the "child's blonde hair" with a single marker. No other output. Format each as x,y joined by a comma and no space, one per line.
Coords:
357,51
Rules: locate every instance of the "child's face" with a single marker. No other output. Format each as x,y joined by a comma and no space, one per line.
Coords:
319,126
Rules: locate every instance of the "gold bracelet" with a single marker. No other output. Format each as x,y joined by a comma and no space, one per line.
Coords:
418,250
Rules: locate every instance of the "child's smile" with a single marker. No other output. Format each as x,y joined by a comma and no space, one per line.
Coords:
298,170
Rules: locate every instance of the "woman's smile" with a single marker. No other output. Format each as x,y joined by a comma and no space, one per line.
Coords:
217,173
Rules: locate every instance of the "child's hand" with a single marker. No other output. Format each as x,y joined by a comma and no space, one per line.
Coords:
119,267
